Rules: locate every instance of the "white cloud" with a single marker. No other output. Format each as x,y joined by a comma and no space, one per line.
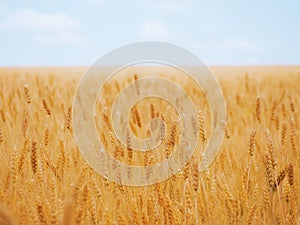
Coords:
165,5
230,44
60,38
154,29
29,19
98,2
47,28
237,44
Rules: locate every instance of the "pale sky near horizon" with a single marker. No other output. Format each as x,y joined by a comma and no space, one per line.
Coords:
70,33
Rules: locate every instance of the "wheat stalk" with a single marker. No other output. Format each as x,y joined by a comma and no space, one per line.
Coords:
6,217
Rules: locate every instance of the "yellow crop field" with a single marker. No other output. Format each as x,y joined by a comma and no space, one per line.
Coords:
254,179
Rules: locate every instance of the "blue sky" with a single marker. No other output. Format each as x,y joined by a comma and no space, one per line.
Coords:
78,32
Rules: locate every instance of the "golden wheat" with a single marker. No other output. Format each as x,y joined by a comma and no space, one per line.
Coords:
254,179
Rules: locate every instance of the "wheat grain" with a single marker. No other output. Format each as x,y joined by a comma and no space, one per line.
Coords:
46,107
41,214
293,137
251,143
202,127
34,156
27,93
292,106
280,178
273,111
2,116
46,136
283,134
152,110
69,119
23,157
251,214
258,109
25,125
195,176
290,172
270,161
1,136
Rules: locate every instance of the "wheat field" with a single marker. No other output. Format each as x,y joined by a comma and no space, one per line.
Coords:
253,180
